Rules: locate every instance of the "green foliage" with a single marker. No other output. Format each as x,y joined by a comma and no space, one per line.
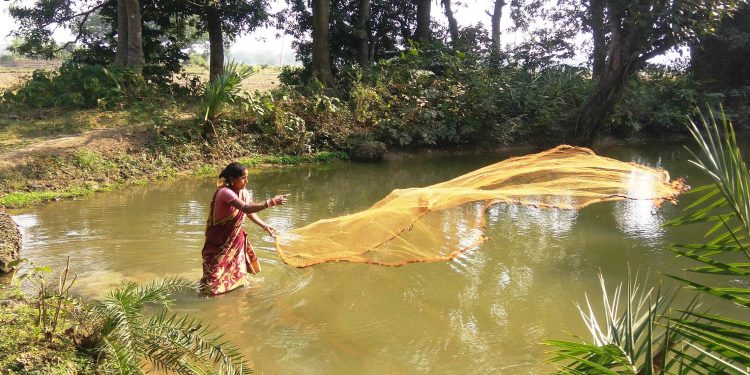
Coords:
720,59
25,349
390,25
725,204
224,89
657,102
169,341
437,97
320,157
78,86
111,335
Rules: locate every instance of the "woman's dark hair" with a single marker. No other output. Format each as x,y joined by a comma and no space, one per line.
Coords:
233,170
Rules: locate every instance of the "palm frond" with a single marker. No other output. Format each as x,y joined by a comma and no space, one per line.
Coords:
224,88
624,342
180,339
723,343
118,359
178,344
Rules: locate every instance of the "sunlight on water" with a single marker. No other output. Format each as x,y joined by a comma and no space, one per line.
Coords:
485,312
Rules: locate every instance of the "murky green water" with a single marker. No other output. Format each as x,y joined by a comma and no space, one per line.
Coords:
486,312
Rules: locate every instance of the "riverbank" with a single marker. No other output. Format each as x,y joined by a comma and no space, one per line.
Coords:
62,156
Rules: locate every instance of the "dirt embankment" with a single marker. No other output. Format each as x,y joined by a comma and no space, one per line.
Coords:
10,241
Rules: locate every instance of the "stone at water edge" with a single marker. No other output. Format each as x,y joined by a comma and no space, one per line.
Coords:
10,241
368,152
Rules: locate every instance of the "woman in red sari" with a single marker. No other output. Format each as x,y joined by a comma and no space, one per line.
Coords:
227,254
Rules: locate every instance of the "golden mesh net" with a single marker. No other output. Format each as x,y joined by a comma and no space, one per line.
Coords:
439,222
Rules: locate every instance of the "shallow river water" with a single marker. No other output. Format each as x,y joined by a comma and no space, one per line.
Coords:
486,312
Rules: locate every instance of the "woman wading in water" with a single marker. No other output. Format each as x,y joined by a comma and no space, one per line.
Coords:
227,254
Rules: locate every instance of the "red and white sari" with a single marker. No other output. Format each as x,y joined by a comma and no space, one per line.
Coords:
227,253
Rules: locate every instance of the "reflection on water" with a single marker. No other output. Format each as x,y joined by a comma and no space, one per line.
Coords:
485,312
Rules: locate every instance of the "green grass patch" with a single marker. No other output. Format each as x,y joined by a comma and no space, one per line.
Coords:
23,347
24,199
205,171
320,157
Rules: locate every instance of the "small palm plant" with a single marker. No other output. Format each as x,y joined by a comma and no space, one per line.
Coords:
169,342
627,339
223,89
693,342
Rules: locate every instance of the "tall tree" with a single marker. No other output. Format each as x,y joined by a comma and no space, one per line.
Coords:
121,55
595,21
165,35
223,20
389,26
637,31
497,15
215,42
363,35
452,24
135,59
321,56
35,24
423,31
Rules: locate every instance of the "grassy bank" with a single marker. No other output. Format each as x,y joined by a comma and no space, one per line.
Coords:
61,153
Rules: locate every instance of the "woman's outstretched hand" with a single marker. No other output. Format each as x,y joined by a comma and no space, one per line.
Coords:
280,200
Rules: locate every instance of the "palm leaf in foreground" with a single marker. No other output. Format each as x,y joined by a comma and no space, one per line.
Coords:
177,344
726,203
623,342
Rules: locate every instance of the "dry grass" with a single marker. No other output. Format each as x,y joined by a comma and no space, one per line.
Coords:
12,76
264,80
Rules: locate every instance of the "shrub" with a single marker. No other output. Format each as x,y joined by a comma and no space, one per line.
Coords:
657,102
79,86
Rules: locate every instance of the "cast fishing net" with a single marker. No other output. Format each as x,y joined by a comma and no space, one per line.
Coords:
439,222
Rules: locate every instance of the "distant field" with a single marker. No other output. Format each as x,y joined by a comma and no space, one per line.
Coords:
11,76
264,80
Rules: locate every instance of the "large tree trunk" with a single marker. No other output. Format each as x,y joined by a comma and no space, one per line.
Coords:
363,36
216,43
497,14
135,58
121,56
321,55
596,22
452,24
423,21
585,121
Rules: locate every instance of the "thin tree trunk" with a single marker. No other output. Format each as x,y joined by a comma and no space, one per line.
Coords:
452,24
121,56
497,15
596,22
321,55
135,58
363,36
423,21
215,42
